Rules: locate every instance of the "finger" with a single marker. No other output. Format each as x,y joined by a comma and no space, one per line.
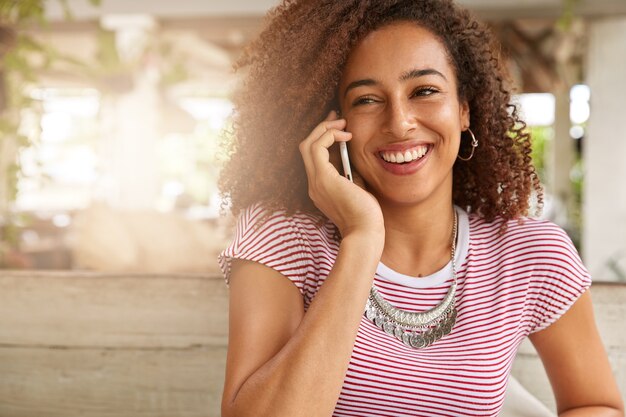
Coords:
321,132
329,137
331,122
319,148
323,127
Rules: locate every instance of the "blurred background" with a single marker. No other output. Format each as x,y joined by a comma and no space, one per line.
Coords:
111,113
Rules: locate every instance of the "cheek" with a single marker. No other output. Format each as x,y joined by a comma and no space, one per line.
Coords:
362,127
356,148
363,132
443,115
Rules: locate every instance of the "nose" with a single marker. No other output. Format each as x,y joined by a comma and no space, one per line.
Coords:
400,119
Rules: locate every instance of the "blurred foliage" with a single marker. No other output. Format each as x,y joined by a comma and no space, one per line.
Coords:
29,11
567,17
114,75
107,57
22,58
175,72
577,178
542,136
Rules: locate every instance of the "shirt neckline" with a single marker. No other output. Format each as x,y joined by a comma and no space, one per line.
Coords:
385,273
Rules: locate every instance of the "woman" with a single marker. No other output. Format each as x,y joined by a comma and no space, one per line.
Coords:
432,244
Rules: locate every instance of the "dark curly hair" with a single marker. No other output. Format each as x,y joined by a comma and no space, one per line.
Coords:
293,71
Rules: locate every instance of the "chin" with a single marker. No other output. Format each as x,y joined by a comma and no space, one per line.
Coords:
399,199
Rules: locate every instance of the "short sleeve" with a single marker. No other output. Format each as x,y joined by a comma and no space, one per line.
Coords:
559,278
271,239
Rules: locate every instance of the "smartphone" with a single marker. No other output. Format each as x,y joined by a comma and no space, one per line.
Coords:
345,160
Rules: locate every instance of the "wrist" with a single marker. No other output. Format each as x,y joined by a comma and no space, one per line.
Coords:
369,242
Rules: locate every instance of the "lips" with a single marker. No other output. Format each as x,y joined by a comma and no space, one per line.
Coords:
404,159
406,156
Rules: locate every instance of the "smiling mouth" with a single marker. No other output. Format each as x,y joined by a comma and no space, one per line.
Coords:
405,157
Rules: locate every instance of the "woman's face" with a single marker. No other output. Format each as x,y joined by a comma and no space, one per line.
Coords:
398,94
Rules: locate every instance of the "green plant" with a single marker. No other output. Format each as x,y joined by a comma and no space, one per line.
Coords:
540,135
22,57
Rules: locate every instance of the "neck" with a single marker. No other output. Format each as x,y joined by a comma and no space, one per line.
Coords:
418,238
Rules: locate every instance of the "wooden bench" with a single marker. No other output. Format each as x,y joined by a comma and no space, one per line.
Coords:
95,344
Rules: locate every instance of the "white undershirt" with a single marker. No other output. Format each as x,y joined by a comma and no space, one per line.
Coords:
441,276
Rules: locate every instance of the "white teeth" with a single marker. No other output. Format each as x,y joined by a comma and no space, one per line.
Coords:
407,156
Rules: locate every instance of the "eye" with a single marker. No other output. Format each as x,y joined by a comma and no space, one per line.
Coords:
424,91
363,100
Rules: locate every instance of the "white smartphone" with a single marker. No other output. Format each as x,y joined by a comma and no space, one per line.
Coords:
345,160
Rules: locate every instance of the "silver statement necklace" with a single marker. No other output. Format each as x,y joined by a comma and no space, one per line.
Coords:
416,329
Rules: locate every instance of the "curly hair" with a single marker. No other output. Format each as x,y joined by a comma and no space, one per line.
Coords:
293,72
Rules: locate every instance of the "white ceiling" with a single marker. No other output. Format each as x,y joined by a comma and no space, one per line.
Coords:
82,9
178,9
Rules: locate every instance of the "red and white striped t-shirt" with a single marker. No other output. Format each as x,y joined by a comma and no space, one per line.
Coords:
509,285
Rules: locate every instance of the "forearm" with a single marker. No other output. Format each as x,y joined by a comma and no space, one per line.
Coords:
306,376
594,411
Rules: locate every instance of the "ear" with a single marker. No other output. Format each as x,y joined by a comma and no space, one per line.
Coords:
464,115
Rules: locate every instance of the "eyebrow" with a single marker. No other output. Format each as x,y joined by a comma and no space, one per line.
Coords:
414,73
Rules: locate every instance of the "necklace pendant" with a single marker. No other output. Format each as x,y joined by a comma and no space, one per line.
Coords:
413,338
406,339
448,323
389,328
398,332
418,341
370,311
428,338
416,330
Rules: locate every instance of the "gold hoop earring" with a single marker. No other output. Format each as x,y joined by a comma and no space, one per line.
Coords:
474,146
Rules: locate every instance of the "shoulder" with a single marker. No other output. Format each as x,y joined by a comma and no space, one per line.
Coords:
534,255
521,233
285,242
258,220
525,242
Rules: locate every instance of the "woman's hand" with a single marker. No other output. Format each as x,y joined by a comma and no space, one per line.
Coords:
351,208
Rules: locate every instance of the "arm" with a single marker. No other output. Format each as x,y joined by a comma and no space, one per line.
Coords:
282,362
577,364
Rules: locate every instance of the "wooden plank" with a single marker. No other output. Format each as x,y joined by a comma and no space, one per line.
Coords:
609,303
126,382
82,309
91,344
